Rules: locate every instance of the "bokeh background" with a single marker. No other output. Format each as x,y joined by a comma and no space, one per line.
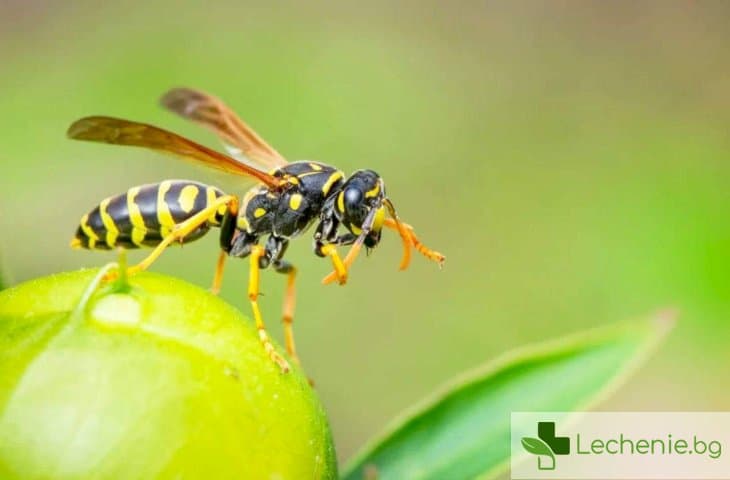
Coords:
572,159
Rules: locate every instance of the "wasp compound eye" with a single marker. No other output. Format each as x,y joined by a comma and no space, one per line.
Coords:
353,198
356,208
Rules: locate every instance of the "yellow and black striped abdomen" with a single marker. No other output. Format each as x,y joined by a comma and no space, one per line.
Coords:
144,215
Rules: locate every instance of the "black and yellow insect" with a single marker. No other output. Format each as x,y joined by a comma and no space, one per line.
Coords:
285,202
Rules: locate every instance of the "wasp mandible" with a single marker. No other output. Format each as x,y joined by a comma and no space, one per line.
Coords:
287,199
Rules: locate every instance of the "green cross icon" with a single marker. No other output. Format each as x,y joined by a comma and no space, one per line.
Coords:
546,445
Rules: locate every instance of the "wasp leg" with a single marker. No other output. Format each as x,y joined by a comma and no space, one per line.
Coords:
432,255
215,289
325,243
354,250
275,249
180,231
343,264
288,309
340,273
257,253
228,229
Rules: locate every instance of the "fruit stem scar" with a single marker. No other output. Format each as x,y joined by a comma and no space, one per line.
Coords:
77,314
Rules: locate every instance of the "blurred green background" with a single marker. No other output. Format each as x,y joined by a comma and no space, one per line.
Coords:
571,159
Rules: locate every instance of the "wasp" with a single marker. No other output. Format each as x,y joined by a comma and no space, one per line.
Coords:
287,199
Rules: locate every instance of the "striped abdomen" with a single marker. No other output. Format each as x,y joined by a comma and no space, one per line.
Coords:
144,215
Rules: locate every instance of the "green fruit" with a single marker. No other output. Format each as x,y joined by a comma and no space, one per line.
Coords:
162,381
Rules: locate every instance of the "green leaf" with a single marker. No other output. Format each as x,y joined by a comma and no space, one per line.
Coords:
464,430
536,446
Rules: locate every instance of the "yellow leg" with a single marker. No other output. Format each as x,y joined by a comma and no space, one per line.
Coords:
288,314
340,273
218,277
253,293
343,264
180,231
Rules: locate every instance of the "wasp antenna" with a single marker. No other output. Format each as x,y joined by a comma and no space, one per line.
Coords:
404,234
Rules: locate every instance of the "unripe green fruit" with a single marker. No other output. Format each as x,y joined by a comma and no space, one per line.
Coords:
163,381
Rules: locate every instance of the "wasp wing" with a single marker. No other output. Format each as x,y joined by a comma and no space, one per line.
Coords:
125,132
212,113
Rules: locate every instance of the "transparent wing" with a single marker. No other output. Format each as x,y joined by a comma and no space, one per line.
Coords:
117,131
209,111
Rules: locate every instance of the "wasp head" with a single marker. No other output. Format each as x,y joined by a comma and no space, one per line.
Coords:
361,201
